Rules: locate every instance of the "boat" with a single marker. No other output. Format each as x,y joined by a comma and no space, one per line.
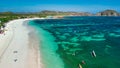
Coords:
80,66
93,53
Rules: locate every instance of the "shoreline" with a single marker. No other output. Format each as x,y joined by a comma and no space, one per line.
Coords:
48,48
15,49
33,47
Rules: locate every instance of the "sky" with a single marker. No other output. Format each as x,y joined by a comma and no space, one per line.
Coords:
58,5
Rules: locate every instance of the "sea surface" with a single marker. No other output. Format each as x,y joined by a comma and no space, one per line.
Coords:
69,42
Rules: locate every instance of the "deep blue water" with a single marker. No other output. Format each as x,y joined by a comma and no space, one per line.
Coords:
69,41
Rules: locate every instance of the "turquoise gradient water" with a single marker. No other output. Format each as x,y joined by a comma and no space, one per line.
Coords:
65,43
48,48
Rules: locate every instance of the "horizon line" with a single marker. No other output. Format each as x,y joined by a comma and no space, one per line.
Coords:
56,11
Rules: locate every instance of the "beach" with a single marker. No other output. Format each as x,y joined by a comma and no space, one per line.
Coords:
16,47
34,43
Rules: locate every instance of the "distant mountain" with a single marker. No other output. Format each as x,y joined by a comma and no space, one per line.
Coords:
103,13
6,12
69,13
108,13
62,13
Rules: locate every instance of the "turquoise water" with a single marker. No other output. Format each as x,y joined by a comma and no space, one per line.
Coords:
65,43
48,48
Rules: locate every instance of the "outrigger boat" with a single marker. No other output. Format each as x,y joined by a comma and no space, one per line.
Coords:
80,66
93,53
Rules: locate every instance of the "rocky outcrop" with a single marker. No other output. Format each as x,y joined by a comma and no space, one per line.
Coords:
108,13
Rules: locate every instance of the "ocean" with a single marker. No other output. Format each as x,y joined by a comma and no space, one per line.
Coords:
70,42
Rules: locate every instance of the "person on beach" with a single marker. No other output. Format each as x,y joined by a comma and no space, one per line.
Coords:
15,51
15,60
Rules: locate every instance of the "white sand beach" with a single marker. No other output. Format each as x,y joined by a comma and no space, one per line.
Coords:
16,48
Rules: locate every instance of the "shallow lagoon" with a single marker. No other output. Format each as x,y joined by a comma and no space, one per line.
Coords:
73,38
